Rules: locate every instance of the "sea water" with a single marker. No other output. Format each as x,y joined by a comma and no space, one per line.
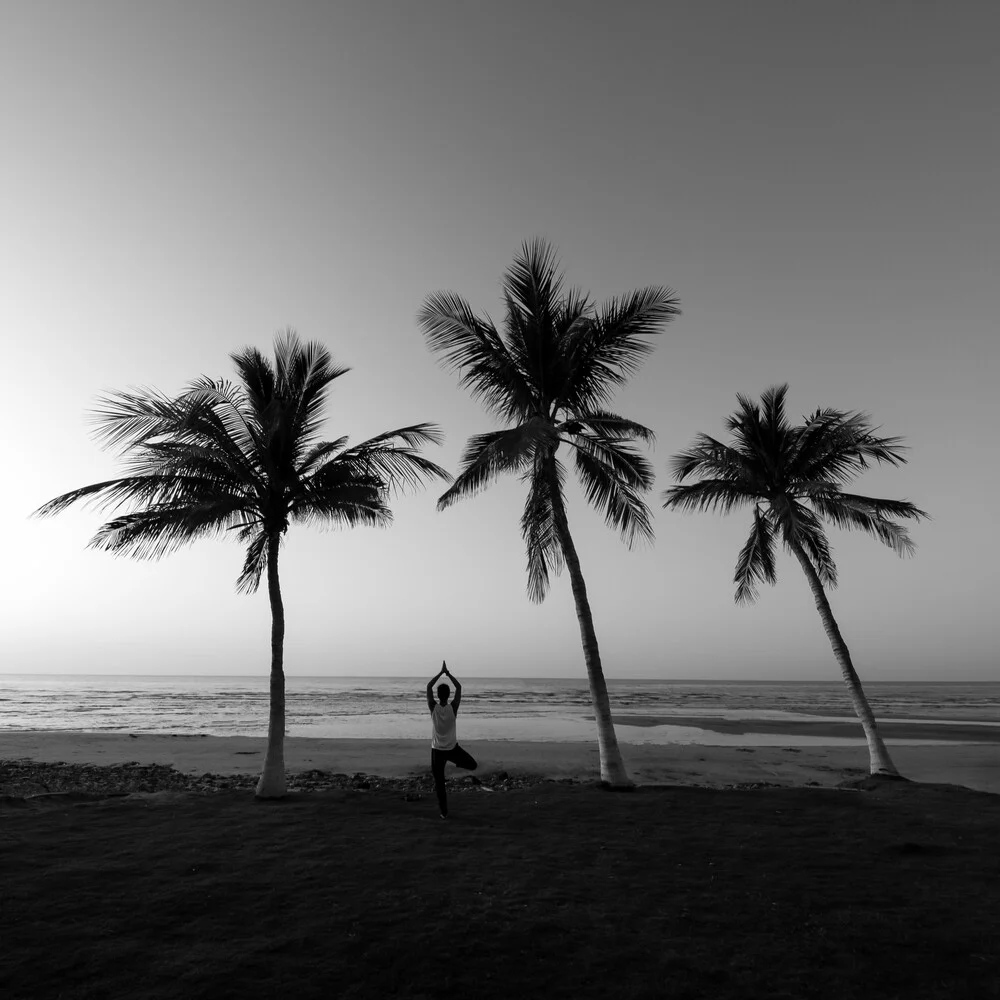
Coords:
492,708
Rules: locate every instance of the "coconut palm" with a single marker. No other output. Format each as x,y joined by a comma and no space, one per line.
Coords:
793,478
244,457
547,375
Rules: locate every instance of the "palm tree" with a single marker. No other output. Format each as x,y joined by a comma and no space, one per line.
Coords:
547,375
245,457
793,477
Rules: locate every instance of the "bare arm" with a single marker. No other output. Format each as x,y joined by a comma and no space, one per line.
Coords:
456,701
430,686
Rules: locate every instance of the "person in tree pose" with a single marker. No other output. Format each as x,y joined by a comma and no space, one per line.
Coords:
444,745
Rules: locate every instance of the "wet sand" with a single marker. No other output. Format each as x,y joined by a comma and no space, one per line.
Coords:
975,765
953,732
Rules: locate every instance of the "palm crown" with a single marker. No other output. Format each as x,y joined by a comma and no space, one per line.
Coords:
793,477
548,372
244,457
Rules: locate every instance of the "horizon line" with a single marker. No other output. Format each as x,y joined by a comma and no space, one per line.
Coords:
519,677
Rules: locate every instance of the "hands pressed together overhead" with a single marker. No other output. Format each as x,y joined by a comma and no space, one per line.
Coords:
443,672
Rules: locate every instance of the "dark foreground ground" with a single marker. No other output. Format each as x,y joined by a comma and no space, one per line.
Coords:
545,891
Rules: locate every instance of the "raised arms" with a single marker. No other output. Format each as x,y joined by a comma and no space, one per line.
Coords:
430,686
444,672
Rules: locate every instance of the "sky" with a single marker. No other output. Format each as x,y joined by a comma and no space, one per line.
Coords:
817,182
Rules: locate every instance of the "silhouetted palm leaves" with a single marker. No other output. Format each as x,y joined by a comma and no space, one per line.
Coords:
245,457
792,476
547,374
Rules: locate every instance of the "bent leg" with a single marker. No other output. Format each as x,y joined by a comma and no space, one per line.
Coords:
438,758
462,758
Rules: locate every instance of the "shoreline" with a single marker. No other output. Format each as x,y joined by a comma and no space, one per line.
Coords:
974,765
946,730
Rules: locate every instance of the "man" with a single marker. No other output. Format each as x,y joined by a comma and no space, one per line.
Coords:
444,746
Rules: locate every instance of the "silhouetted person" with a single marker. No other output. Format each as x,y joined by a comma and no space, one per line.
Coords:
444,746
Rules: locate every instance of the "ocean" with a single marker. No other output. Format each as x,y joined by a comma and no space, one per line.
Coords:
539,709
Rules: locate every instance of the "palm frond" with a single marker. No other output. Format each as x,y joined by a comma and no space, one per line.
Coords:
349,479
143,490
613,426
722,495
532,294
321,453
763,435
110,493
809,439
871,515
889,533
878,506
304,372
839,446
352,488
621,505
882,450
772,405
799,524
126,419
611,349
631,467
488,455
412,436
225,457
755,564
784,467
532,285
173,458
710,457
256,373
255,561
538,528
556,360
349,508
228,403
208,415
162,528
473,348
393,458
573,332
343,497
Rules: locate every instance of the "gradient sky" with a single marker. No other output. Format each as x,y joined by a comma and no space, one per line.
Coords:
818,183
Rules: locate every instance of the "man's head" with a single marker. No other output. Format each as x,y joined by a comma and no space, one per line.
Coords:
443,692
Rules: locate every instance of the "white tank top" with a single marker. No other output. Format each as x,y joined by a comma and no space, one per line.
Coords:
443,718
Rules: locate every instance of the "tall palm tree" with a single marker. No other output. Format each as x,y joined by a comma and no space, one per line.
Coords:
245,457
547,375
793,478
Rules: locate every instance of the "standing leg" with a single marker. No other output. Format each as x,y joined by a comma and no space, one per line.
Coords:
438,758
462,758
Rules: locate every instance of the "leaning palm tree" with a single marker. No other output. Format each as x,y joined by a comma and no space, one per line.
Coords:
793,478
547,376
245,457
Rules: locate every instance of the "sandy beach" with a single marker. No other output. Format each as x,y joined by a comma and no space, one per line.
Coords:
975,765
175,884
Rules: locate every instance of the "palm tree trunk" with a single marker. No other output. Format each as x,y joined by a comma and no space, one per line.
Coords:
879,760
272,779
613,773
